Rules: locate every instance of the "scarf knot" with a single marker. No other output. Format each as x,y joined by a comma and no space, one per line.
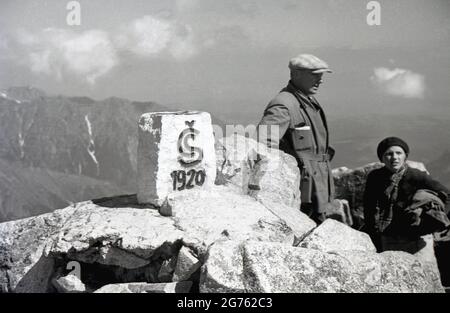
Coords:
391,193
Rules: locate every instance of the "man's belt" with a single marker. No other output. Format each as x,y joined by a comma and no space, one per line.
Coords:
314,157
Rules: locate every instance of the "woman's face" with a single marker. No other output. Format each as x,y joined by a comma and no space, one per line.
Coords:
394,158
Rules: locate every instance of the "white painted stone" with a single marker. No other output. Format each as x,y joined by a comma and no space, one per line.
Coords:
159,154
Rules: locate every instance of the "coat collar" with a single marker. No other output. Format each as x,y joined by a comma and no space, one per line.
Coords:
309,100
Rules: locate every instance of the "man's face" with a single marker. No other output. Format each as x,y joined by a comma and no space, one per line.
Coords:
306,81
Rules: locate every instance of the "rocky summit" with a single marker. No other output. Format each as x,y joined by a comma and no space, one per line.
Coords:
244,234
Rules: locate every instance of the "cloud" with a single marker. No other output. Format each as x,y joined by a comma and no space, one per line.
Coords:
399,82
61,53
146,36
4,47
88,55
152,36
184,45
183,6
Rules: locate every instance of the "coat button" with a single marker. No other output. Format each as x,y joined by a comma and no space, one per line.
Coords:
301,137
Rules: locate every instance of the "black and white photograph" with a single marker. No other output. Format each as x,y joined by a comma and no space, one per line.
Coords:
224,151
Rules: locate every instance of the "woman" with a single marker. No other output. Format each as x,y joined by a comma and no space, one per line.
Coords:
391,219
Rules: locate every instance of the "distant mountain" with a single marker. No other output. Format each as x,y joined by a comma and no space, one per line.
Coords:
20,94
56,149
31,191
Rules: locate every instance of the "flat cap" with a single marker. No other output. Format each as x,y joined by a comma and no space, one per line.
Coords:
309,62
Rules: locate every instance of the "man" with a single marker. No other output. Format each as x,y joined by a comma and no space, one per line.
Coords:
303,132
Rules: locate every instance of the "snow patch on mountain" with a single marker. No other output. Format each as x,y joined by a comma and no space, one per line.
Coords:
21,144
91,145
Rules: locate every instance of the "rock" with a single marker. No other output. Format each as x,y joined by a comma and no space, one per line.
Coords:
223,270
268,175
36,279
241,231
255,169
350,186
233,163
297,221
165,273
175,152
166,208
427,256
23,268
224,171
206,217
275,177
272,267
339,210
332,235
394,271
418,165
119,237
180,287
442,249
69,284
187,264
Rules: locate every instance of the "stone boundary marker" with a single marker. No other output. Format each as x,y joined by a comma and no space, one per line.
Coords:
175,154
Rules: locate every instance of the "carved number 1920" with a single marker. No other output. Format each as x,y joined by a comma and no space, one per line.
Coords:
187,179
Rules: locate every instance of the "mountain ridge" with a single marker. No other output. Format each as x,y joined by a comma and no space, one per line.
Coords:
96,141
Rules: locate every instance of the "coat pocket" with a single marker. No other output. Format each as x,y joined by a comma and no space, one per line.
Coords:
302,138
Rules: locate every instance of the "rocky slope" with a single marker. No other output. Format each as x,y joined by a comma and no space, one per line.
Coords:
32,191
245,234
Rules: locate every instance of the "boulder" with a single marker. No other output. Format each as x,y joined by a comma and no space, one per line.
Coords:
126,240
339,210
23,268
180,287
257,170
427,255
209,216
223,270
187,265
233,161
275,177
115,235
165,273
297,221
332,235
268,175
442,249
69,284
273,267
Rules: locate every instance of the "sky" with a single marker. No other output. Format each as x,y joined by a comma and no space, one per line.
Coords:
230,57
